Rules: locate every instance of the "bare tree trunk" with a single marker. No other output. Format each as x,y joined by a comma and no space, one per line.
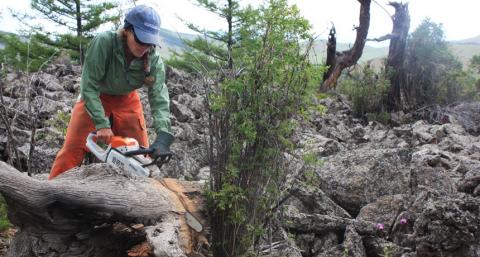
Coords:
396,56
350,57
98,210
331,52
79,31
230,35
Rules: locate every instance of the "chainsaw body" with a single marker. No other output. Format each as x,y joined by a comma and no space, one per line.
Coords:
125,153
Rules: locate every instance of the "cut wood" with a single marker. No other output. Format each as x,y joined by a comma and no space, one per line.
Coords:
99,210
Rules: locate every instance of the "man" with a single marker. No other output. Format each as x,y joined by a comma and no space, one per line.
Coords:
116,64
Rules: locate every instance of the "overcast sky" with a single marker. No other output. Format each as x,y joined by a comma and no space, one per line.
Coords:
460,18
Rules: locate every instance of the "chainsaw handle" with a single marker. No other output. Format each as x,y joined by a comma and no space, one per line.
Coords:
163,158
141,151
99,152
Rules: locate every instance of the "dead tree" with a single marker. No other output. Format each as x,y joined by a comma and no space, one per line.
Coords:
396,56
331,51
349,57
98,210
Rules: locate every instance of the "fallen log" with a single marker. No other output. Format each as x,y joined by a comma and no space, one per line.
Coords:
99,210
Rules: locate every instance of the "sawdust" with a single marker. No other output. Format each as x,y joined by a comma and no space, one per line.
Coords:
189,238
141,250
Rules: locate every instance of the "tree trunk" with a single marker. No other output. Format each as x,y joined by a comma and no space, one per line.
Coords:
396,56
331,52
79,31
350,57
98,210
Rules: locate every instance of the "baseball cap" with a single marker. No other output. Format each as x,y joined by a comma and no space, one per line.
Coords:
146,24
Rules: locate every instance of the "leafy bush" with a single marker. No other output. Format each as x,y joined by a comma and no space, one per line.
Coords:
262,79
367,90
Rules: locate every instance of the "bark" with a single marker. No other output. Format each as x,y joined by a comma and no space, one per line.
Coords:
331,52
396,56
350,57
98,210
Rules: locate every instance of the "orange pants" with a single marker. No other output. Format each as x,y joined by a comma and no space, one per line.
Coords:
125,111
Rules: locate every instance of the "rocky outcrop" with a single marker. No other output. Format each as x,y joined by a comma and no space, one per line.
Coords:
353,189
409,190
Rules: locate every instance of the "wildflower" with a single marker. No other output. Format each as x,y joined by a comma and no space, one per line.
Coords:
380,226
403,221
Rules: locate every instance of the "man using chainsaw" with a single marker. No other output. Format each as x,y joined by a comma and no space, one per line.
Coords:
116,64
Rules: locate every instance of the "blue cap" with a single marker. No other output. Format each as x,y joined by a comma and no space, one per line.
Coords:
146,24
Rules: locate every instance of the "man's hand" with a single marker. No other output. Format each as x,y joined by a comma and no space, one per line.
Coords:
104,135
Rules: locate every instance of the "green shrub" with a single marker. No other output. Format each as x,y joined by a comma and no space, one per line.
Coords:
367,90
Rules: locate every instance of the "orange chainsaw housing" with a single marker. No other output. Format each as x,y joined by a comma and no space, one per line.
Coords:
122,141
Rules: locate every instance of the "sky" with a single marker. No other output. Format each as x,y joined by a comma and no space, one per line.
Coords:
459,19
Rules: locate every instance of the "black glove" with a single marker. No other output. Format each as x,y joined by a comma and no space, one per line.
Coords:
161,146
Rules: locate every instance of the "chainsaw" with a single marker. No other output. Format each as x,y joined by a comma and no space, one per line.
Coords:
127,154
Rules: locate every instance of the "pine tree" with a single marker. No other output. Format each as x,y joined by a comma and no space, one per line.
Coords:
32,48
83,17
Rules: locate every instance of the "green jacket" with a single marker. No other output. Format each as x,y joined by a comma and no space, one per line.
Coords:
105,71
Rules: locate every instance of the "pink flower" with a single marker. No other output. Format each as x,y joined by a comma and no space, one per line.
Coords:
403,221
380,226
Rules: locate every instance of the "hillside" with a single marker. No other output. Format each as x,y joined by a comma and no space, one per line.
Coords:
464,50
469,41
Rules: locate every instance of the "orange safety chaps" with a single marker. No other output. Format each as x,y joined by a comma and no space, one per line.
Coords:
125,111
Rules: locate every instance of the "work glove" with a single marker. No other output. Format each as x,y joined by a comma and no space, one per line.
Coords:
161,146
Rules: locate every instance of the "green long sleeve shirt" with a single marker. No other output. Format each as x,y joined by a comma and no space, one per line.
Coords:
105,71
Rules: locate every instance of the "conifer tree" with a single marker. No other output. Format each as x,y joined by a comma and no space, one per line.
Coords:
79,18
83,17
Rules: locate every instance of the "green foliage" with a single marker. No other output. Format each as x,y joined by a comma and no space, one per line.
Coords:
367,90
81,25
60,122
26,53
433,74
475,63
4,223
91,14
387,250
263,79
214,48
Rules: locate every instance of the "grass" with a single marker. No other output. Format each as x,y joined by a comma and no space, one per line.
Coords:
4,223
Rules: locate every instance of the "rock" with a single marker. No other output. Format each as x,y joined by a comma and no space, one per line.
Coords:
355,178
352,243
384,210
446,225
181,112
317,145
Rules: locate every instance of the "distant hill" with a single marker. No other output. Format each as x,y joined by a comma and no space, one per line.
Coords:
469,41
369,53
464,50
